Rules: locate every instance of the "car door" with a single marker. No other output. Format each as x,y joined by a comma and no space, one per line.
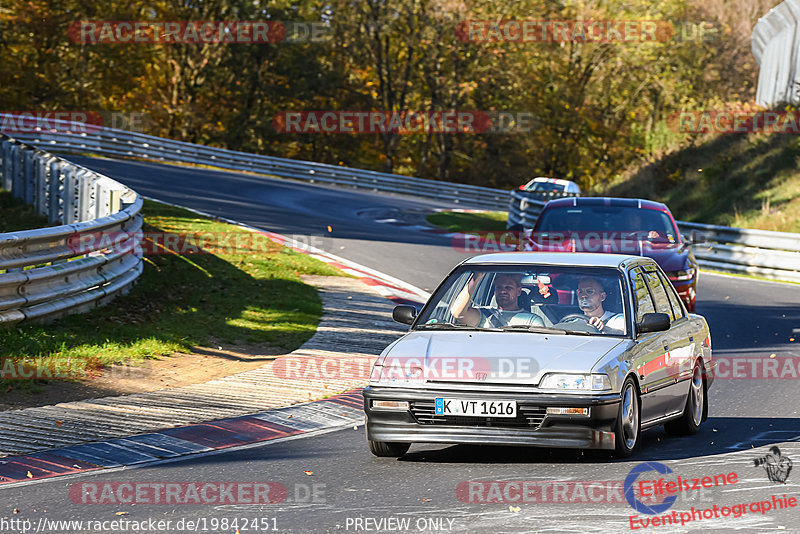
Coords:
680,343
648,352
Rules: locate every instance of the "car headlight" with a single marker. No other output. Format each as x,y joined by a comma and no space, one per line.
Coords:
681,276
576,382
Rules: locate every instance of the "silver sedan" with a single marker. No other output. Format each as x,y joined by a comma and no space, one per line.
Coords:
551,350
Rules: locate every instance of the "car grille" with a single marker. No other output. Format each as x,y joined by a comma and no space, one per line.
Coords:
527,417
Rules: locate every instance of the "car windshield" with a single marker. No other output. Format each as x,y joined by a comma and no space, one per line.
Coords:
605,219
547,298
546,186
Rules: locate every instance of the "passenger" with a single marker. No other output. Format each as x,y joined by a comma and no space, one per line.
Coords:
507,289
590,300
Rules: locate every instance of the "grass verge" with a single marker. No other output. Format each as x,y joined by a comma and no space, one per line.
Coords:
455,221
745,181
15,215
240,294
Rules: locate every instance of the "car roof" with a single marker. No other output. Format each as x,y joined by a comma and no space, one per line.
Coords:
564,259
607,201
558,181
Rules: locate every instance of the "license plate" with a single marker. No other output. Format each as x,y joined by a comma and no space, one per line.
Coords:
476,408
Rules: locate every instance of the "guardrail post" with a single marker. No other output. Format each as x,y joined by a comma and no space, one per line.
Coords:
54,184
42,164
86,196
16,171
70,196
5,165
29,177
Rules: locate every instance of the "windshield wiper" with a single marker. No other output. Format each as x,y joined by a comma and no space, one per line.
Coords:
454,326
449,326
534,329
581,333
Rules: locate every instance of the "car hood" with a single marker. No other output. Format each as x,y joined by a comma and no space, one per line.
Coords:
441,357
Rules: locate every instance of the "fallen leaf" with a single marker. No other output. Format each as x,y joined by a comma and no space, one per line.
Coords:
289,417
309,473
426,500
59,423
122,513
29,475
514,509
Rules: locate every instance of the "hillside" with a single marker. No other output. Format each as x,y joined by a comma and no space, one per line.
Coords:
748,181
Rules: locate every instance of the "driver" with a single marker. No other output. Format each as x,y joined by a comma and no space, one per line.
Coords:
635,224
507,288
590,300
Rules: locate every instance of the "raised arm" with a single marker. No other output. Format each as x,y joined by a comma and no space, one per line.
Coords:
461,308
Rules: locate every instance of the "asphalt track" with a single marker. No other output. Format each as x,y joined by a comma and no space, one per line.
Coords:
748,319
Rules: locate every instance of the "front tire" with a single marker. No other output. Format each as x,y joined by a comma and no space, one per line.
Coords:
695,408
629,425
385,449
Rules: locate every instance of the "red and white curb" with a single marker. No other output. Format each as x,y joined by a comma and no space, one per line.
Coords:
341,410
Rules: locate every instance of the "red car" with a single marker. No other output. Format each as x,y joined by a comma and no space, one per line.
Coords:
620,225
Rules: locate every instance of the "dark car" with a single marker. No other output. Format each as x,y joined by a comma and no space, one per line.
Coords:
621,226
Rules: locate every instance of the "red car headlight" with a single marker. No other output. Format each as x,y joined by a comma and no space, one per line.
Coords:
682,276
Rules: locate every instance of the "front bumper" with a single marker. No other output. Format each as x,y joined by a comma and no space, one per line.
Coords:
532,427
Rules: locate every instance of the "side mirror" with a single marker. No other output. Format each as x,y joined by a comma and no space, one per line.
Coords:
404,314
653,322
696,237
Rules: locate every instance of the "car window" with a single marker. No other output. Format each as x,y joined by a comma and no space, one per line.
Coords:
641,295
659,294
500,296
619,221
677,310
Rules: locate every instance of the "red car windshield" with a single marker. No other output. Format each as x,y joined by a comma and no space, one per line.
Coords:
606,219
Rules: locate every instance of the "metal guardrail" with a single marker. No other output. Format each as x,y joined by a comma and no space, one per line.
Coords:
43,272
523,209
767,254
70,137
774,255
776,48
